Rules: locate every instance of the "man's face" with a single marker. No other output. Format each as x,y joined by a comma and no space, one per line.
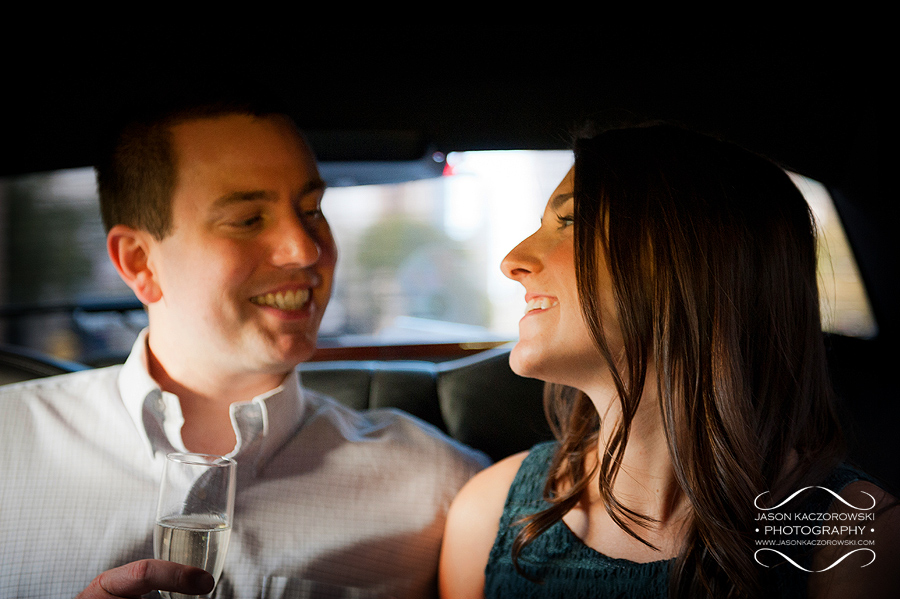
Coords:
246,272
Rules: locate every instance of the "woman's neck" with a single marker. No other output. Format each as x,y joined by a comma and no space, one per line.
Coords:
645,484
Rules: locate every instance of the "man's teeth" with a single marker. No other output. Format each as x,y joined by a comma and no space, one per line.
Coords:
283,300
541,303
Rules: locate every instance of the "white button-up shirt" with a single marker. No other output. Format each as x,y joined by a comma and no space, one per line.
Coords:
330,503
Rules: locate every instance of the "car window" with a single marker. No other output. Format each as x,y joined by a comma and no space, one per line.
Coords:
845,305
418,263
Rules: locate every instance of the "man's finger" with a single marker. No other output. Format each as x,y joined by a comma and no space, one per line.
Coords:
141,577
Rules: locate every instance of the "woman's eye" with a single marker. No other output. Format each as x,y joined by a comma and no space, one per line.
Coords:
565,221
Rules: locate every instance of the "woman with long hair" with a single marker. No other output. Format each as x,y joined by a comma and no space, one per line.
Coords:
673,310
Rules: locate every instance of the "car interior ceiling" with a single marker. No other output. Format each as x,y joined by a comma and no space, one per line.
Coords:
814,109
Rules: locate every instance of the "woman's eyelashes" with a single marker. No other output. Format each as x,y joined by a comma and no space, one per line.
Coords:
561,221
565,221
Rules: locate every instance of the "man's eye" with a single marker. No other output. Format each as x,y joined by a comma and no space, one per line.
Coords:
247,223
313,214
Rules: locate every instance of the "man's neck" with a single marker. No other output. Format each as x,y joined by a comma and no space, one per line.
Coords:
206,402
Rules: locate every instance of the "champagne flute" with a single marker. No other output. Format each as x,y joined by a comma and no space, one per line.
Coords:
195,512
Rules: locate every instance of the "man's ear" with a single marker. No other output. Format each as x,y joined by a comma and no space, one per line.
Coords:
129,250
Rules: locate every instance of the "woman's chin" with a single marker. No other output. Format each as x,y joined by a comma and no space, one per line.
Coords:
524,361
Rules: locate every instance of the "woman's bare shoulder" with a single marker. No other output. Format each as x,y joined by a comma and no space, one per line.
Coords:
494,482
479,504
472,526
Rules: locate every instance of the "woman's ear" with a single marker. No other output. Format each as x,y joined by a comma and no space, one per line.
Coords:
129,250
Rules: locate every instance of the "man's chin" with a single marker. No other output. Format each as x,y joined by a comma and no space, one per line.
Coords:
288,354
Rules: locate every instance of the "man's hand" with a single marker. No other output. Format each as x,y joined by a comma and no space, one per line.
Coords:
138,578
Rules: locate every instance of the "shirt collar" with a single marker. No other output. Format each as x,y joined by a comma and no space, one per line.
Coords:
262,425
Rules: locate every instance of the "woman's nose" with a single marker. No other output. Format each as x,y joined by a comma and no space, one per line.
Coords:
522,260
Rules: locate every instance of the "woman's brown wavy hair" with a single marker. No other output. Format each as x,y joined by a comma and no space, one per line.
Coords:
712,252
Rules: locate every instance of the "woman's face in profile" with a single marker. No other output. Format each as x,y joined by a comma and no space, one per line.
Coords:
555,344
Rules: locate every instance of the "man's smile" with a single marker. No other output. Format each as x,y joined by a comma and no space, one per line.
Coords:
283,300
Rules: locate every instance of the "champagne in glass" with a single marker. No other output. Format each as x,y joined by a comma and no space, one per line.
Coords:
195,512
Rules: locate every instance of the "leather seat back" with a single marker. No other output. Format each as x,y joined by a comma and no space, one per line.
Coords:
478,400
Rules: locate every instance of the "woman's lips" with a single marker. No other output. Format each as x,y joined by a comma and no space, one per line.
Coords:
540,303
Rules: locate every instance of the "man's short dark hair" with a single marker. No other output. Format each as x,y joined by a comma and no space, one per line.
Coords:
137,170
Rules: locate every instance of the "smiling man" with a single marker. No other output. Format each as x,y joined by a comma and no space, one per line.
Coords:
214,220
246,265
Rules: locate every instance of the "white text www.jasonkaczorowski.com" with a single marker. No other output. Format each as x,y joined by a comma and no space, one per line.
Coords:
813,542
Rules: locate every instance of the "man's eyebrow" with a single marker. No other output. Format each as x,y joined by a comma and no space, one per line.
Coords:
237,197
313,186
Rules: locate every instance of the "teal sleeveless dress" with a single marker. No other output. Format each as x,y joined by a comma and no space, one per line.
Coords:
567,568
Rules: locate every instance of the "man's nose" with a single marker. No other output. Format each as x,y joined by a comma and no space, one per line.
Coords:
294,244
